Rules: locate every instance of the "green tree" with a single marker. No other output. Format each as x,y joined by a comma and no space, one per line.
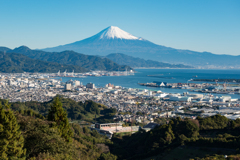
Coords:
59,115
86,130
169,135
11,139
107,156
92,107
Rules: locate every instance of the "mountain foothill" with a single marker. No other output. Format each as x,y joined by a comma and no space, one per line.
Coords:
18,63
23,59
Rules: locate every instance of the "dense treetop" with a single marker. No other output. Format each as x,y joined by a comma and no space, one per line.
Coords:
75,110
11,139
58,115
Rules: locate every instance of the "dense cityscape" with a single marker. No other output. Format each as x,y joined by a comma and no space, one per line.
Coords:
152,104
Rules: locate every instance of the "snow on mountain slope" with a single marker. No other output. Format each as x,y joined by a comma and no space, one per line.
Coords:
113,32
110,40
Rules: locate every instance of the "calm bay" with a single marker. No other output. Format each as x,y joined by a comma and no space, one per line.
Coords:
161,75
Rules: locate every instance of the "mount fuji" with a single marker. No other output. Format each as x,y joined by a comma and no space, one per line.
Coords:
109,40
115,40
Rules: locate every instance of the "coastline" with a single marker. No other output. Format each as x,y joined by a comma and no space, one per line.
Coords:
191,68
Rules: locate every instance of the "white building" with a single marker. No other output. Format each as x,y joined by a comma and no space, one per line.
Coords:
161,95
150,93
180,98
68,86
225,99
77,83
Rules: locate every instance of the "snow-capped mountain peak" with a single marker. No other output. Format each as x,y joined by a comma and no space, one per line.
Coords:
114,32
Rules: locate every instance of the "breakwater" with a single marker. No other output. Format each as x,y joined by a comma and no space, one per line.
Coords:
218,80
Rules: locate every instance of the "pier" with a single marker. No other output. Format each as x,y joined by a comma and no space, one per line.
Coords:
217,80
194,87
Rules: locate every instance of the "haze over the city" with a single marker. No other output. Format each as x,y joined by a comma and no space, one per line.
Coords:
211,26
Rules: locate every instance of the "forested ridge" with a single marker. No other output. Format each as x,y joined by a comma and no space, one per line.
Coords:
51,137
86,111
48,131
87,62
18,63
216,132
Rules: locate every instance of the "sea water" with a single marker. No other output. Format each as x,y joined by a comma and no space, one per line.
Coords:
161,75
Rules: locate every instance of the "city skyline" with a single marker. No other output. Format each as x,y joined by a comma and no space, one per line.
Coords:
210,26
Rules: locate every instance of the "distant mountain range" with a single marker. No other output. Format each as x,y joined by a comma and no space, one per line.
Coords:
115,40
123,59
4,49
68,58
18,63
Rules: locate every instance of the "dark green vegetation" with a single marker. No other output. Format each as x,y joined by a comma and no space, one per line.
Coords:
40,139
48,134
59,115
138,62
71,58
18,63
11,140
75,110
212,135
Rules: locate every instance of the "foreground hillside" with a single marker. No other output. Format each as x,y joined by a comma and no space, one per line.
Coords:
138,62
45,133
71,58
43,138
18,63
86,111
182,139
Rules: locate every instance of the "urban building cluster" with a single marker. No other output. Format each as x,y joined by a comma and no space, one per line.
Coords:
131,104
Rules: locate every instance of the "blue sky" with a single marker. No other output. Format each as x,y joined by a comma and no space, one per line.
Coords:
199,25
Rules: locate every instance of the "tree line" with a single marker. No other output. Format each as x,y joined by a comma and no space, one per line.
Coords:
25,136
